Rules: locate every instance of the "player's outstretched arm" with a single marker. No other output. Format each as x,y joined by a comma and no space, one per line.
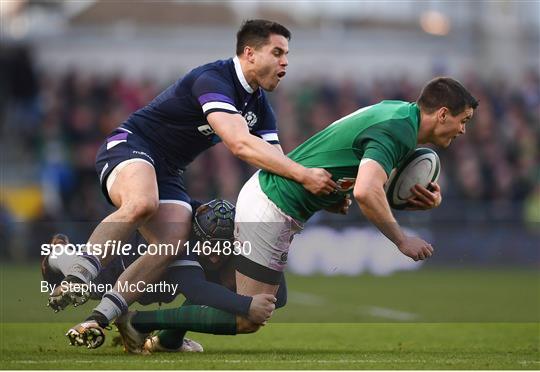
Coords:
233,131
370,195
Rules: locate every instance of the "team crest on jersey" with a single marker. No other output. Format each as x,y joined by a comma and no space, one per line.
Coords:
251,118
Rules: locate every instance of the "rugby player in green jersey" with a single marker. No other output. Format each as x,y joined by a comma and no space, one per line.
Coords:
359,150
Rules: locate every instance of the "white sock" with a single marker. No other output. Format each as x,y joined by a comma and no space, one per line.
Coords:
85,267
112,305
64,262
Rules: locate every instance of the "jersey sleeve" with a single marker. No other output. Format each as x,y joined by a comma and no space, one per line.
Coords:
387,143
267,130
214,93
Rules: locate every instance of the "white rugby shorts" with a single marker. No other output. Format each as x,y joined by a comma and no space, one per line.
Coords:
268,229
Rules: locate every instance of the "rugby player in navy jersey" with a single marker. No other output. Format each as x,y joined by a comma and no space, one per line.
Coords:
140,165
206,280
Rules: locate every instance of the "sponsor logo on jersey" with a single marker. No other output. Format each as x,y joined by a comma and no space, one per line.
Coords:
283,258
345,184
205,130
143,154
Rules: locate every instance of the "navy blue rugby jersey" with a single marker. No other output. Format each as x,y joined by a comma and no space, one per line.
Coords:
175,124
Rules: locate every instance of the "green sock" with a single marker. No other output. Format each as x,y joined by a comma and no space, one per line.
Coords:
194,318
171,338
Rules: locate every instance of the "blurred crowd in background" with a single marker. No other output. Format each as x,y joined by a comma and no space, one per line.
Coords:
56,123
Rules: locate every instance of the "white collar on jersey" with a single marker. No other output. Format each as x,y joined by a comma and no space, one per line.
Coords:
240,75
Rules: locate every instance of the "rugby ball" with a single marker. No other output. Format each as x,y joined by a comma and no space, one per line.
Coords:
422,166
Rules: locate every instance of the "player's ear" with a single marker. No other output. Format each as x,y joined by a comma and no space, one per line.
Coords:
442,113
249,53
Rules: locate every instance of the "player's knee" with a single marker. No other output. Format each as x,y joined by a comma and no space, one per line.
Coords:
140,210
244,325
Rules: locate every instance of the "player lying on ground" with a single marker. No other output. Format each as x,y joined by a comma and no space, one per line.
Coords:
197,277
359,150
141,164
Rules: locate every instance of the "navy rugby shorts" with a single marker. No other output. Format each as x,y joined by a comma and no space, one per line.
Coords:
122,147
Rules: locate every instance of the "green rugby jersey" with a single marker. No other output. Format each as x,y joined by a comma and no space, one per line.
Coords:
385,132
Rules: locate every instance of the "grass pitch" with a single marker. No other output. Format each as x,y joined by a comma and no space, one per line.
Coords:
297,346
430,319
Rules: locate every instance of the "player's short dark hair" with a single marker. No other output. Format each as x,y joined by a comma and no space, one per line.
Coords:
255,33
446,92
